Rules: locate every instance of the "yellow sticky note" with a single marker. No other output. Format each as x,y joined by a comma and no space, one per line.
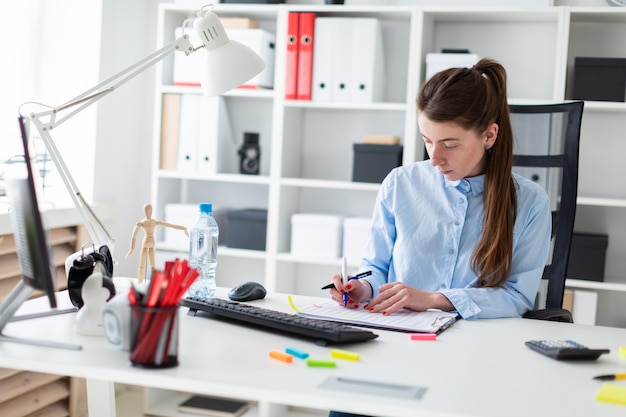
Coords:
344,354
622,351
612,394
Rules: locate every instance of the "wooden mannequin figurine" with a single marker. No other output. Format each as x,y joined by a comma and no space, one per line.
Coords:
147,247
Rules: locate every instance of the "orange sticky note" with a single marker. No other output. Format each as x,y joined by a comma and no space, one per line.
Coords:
281,356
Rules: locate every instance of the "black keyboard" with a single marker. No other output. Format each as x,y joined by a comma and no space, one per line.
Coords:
324,332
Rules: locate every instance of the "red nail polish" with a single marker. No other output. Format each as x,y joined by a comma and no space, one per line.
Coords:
385,313
348,287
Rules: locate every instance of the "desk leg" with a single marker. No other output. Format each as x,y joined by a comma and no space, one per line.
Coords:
100,398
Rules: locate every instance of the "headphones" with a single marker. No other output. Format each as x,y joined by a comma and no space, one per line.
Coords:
83,266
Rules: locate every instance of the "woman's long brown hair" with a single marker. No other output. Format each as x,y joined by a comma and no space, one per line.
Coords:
474,98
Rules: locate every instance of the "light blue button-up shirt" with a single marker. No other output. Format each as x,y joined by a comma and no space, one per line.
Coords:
425,229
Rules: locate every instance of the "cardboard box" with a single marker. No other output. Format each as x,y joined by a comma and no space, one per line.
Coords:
316,235
247,229
600,79
587,256
355,234
372,162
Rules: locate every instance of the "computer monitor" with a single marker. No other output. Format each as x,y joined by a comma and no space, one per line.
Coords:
33,248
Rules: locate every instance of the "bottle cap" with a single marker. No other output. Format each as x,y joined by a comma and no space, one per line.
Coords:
206,207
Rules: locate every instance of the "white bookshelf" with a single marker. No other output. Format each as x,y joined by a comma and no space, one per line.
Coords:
306,146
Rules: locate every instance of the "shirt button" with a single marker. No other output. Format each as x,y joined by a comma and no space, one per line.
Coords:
457,223
450,251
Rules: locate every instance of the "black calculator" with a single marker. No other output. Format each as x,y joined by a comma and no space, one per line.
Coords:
565,349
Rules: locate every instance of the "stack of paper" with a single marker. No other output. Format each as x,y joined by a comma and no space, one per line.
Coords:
431,321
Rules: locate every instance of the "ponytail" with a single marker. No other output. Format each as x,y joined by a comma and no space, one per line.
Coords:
474,98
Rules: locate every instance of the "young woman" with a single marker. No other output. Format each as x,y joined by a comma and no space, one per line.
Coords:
460,231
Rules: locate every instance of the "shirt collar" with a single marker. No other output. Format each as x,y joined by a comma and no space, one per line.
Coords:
468,186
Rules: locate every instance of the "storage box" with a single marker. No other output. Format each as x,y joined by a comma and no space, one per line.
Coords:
436,62
247,228
355,234
181,214
600,79
587,256
372,163
316,235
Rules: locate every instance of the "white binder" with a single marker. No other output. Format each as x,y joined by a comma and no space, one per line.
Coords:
322,59
208,135
343,57
368,64
188,131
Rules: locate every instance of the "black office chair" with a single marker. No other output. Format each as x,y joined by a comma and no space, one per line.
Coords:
546,151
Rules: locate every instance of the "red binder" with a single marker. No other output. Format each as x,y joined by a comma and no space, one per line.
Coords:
305,55
291,72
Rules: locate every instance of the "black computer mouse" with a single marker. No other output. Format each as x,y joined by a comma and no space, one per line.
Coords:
247,292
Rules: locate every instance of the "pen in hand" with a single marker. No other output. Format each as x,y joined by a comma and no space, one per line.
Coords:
357,276
344,278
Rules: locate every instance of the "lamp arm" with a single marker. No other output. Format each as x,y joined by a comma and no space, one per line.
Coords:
95,93
95,227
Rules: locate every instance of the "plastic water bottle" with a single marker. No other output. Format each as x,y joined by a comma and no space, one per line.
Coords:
203,240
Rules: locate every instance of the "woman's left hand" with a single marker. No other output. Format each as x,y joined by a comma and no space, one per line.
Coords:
396,295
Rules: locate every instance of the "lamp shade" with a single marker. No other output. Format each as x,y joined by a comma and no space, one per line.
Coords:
227,64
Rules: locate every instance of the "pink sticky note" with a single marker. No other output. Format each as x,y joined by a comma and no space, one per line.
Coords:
423,336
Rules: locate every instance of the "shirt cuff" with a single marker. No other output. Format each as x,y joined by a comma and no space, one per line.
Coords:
463,304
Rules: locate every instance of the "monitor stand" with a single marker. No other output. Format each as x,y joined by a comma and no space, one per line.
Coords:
9,306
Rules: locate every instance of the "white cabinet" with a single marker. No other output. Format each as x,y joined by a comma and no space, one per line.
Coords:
307,146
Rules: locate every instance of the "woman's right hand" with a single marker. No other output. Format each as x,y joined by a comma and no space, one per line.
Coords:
357,289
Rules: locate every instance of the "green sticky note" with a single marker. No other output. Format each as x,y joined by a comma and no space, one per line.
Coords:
321,363
612,394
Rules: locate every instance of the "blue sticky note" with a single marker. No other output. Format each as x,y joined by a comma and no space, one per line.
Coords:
297,353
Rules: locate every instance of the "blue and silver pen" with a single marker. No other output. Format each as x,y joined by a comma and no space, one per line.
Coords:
345,278
357,276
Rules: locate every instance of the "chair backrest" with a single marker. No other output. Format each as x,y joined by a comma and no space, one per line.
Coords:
546,151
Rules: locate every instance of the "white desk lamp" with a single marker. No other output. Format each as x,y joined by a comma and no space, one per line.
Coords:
227,64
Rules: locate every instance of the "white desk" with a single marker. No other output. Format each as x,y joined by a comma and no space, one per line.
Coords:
475,368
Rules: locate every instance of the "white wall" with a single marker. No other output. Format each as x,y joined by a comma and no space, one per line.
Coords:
124,133
51,55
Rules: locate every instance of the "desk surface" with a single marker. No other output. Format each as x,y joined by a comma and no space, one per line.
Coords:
475,368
